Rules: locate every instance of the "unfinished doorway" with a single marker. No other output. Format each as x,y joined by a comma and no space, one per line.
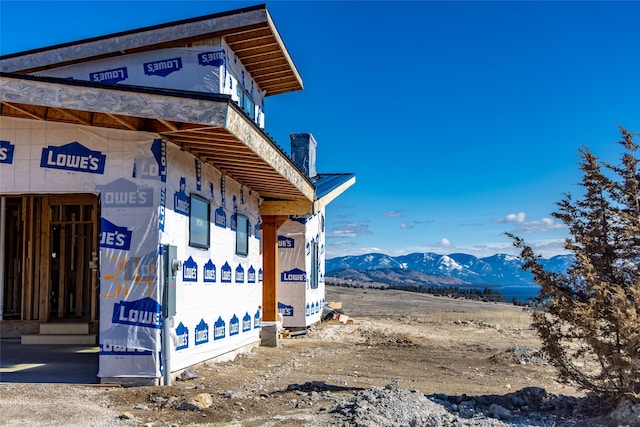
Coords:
51,257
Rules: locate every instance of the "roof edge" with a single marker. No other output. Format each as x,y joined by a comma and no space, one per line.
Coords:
136,30
285,51
215,97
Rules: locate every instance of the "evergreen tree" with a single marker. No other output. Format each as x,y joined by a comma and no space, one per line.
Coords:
589,324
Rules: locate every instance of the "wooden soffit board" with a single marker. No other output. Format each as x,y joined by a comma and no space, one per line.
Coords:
250,32
208,126
333,186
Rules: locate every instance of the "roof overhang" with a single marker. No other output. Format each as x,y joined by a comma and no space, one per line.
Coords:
328,187
250,33
211,127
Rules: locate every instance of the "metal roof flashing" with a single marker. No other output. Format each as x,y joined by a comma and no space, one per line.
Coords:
330,186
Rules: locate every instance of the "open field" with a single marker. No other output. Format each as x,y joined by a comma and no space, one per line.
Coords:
418,342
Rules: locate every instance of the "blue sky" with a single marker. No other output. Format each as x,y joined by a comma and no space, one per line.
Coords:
461,120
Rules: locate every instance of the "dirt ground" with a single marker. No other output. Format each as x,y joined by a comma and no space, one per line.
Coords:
434,345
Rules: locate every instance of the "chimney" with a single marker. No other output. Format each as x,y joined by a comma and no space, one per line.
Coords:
303,152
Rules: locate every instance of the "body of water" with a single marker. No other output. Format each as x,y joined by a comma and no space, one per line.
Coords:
522,293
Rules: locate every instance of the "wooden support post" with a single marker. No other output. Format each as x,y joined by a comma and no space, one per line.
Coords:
270,225
25,274
63,307
95,256
44,258
80,267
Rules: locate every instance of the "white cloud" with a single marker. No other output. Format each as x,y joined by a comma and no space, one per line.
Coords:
539,226
393,214
423,221
513,217
350,230
347,248
546,248
527,227
406,226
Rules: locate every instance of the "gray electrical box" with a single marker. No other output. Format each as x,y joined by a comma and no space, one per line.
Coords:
171,266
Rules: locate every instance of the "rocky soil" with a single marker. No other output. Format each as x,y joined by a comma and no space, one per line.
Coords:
402,360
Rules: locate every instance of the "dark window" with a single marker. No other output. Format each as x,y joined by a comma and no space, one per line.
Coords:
245,102
315,264
199,222
242,235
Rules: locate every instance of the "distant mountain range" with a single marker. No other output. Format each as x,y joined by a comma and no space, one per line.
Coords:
430,269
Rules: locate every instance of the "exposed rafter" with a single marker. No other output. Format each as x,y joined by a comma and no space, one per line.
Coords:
212,128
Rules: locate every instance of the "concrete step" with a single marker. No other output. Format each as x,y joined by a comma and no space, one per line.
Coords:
64,328
72,339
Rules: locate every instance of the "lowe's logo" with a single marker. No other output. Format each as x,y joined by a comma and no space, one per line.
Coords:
73,157
125,194
108,348
256,320
302,219
214,59
246,322
234,326
109,76
182,337
189,271
225,273
159,150
145,312
251,274
220,217
219,329
202,333
114,237
285,242
155,167
295,275
314,307
209,272
163,67
6,152
239,274
162,208
285,310
198,175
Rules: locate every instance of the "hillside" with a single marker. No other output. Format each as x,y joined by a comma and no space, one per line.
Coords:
430,269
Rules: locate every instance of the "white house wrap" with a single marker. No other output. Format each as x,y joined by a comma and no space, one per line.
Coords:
301,290
134,168
213,68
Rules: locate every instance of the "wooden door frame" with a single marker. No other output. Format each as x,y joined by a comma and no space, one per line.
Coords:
36,255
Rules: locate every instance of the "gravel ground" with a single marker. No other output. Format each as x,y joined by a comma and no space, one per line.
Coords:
403,360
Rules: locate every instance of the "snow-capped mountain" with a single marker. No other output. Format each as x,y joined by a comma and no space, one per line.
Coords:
363,262
499,269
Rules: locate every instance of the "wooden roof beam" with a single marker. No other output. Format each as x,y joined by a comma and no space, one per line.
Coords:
76,117
252,43
123,122
251,33
169,124
24,110
247,51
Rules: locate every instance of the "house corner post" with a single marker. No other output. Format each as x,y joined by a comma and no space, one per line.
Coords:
269,332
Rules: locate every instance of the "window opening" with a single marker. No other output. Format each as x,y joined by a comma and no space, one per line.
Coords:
199,230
